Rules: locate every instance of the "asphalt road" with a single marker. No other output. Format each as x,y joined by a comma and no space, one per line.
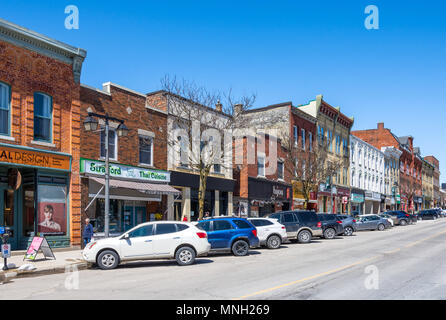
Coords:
400,263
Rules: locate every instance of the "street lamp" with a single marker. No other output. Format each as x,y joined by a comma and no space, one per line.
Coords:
91,124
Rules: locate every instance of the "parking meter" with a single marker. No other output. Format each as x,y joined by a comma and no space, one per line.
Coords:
4,235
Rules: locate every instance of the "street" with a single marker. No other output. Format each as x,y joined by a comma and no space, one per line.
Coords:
400,263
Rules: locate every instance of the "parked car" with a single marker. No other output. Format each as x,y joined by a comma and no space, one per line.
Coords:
151,240
270,232
388,217
349,224
331,225
428,215
300,225
372,222
400,218
230,234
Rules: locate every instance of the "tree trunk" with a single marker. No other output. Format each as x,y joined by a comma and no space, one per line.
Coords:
202,194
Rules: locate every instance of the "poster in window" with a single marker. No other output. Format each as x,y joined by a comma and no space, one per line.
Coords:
51,209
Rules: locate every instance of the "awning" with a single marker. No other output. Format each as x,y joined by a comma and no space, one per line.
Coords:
149,188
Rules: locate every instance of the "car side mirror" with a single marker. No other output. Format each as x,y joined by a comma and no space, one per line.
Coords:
126,236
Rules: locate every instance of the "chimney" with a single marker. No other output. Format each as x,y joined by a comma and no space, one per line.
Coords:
219,106
381,126
238,108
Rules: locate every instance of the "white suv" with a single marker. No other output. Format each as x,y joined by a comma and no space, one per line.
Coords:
270,232
151,240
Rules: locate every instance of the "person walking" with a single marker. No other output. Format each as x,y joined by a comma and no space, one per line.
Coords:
88,232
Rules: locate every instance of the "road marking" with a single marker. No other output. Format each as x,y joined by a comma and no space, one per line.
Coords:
336,270
307,278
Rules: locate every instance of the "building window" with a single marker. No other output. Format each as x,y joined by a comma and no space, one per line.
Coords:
5,101
280,170
330,140
112,144
303,138
310,141
146,150
261,166
320,134
43,115
338,144
296,135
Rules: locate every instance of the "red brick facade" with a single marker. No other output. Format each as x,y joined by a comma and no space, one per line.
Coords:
26,72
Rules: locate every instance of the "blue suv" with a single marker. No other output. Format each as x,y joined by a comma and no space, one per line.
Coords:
234,234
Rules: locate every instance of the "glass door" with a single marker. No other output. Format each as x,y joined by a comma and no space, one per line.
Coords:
8,218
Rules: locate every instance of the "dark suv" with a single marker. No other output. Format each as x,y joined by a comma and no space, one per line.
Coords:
400,218
331,225
227,233
300,225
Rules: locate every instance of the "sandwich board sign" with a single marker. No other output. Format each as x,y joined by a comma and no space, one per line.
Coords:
39,243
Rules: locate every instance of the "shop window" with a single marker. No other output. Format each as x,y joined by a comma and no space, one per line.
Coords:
5,102
146,150
28,210
51,209
43,115
112,144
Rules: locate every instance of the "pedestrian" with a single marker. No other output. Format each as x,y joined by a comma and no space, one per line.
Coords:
88,232
206,214
185,218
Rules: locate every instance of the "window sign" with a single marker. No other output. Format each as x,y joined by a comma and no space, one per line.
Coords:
52,214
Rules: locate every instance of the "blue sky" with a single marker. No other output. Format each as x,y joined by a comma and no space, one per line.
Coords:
280,50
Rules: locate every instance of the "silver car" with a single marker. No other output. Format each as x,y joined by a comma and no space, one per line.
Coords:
372,222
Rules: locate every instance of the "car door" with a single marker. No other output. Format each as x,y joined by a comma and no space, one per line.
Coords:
222,233
139,243
290,222
361,223
166,239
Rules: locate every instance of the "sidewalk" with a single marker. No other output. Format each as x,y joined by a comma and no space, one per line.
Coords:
64,260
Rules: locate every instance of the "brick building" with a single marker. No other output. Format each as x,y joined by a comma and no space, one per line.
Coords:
436,180
139,181
333,129
409,196
263,185
39,137
292,126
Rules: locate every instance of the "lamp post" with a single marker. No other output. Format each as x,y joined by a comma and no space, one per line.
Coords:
91,124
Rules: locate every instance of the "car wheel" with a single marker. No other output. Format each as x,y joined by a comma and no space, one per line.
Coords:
329,233
240,248
403,222
348,231
381,227
273,242
304,236
107,260
185,256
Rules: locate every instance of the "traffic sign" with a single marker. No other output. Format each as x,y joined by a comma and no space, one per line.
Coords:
6,250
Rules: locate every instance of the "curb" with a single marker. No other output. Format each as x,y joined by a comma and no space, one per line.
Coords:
48,271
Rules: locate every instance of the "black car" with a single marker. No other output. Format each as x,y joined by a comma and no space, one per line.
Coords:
331,225
401,218
300,225
428,215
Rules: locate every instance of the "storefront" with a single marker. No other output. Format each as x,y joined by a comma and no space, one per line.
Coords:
218,197
34,189
266,197
299,198
137,195
418,202
356,201
326,198
372,202
342,200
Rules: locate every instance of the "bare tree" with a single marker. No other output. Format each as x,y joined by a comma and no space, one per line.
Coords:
200,128
309,166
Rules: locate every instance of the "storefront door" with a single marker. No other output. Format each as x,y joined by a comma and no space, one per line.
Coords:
8,214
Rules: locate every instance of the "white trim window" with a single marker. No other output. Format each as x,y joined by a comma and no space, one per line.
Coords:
112,144
5,114
145,150
310,141
280,170
303,138
261,165
43,117
296,135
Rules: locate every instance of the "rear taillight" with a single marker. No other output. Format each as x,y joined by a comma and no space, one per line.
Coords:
407,215
202,235
319,224
354,220
340,222
254,232
283,227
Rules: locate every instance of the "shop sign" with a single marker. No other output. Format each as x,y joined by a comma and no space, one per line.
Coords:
34,158
278,192
358,198
398,199
123,171
344,200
